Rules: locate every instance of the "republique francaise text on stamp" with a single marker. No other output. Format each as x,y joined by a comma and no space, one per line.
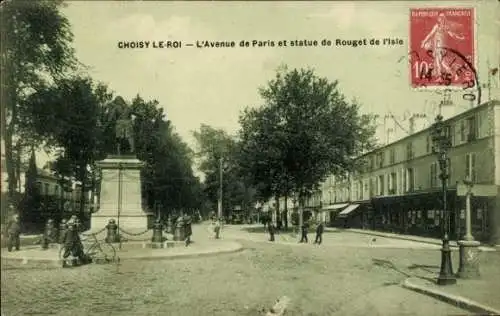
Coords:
442,49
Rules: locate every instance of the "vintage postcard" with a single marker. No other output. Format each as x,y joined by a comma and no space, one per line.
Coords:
250,158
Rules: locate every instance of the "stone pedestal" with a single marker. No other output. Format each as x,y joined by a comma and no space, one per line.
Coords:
120,173
469,259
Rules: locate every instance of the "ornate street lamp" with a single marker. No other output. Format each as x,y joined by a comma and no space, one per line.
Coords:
441,144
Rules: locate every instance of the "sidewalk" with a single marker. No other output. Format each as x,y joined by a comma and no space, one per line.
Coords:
427,240
480,295
131,250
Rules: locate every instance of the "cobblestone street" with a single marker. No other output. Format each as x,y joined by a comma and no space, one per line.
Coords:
319,280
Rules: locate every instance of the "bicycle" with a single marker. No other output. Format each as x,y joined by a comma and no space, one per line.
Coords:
97,251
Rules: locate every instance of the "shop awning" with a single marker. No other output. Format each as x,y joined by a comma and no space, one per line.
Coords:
348,210
334,207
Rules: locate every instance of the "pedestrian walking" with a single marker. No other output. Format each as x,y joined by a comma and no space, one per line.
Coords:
305,228
13,233
189,230
217,228
271,230
319,233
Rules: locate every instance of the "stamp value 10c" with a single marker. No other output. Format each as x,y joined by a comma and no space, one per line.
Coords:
442,48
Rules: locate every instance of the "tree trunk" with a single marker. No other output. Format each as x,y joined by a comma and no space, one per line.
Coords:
93,189
285,215
301,210
7,133
18,166
302,202
83,181
277,210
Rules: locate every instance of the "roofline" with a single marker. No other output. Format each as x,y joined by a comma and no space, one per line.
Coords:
492,103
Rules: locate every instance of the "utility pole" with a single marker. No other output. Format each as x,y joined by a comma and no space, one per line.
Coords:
219,205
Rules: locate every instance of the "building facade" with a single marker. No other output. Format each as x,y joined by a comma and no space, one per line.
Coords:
397,187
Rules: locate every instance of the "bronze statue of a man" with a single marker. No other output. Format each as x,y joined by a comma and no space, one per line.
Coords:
125,131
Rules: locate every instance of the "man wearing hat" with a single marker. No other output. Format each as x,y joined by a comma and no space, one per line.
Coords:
72,243
13,233
189,231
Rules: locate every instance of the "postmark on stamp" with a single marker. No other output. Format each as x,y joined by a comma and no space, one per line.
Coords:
442,48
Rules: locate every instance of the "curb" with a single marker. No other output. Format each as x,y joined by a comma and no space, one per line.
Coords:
188,255
239,248
482,248
398,237
456,300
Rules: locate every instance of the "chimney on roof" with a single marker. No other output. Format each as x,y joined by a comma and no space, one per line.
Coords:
417,122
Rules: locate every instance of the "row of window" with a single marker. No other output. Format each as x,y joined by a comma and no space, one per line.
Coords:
50,189
44,189
397,182
468,131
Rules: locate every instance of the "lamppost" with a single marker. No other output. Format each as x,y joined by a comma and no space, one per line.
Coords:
441,145
469,255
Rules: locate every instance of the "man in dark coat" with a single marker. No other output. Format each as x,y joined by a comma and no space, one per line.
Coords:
72,243
319,233
305,227
271,230
13,233
189,229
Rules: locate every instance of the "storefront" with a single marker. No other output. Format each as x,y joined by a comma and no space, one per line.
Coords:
355,215
330,212
421,214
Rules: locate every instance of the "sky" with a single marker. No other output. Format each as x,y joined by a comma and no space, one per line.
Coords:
213,85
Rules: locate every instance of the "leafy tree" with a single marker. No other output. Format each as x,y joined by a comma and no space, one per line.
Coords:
174,185
265,168
30,209
215,149
305,131
71,123
35,49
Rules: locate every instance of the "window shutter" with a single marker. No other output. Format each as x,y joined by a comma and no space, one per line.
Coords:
389,183
413,179
405,180
462,130
432,175
478,125
473,167
467,165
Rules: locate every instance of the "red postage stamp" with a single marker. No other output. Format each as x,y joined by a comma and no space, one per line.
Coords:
442,48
